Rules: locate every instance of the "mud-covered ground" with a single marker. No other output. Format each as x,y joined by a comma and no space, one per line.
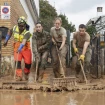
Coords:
85,96
8,82
59,98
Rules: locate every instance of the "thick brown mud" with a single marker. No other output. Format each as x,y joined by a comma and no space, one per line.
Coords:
41,98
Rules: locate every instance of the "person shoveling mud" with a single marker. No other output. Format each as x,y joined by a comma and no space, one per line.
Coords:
40,47
21,47
81,41
59,35
59,51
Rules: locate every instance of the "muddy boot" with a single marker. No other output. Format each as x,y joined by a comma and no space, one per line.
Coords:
45,81
18,78
89,77
18,75
78,71
77,74
80,77
62,76
73,73
40,77
31,78
26,75
46,78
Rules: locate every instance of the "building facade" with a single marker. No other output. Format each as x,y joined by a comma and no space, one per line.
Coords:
99,23
26,8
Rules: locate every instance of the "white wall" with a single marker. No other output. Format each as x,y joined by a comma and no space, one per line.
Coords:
37,5
30,20
29,17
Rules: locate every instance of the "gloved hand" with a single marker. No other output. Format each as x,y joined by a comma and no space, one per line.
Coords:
37,57
82,57
20,47
6,40
5,43
54,43
75,50
60,49
40,48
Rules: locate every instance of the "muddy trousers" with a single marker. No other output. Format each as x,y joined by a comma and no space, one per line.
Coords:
41,64
55,60
26,55
76,65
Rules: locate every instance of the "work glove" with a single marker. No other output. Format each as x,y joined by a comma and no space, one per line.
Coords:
82,57
75,50
40,48
20,47
37,57
60,49
54,43
5,43
6,40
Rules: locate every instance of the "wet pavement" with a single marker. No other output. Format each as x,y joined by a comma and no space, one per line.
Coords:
42,98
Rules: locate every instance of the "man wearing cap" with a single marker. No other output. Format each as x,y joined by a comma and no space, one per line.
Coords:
40,47
21,47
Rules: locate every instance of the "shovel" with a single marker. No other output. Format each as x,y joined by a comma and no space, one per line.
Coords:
65,81
82,70
36,70
16,65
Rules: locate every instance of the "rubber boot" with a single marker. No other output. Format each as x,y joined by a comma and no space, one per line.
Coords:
80,77
40,77
19,75
26,73
31,78
45,79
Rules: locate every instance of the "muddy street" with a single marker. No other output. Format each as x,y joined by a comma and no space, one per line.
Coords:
42,98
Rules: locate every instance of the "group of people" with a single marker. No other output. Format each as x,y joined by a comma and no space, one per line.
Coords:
43,43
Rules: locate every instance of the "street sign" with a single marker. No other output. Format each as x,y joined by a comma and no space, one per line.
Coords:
5,12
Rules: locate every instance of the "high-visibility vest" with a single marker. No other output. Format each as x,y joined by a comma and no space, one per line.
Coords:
19,37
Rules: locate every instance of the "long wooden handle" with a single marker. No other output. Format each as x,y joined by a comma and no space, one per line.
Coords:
60,61
36,70
16,65
83,71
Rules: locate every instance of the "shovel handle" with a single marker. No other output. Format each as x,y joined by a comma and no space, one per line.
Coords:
16,65
36,70
60,61
82,69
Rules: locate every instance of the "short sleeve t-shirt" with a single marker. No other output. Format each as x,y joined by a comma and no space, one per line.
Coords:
27,36
81,39
58,33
